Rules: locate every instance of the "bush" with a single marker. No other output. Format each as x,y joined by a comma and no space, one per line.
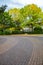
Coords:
18,32
37,30
1,33
9,31
12,31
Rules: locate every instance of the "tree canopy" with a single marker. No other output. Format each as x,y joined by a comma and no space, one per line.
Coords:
30,16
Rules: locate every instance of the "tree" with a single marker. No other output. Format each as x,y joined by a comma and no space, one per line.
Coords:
17,17
2,8
31,15
5,19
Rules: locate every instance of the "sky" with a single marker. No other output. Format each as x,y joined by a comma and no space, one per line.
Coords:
20,3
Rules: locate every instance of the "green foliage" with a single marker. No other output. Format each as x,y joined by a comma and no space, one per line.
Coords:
8,31
1,33
2,8
38,29
5,19
14,20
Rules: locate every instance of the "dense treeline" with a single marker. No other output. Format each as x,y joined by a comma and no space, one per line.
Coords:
28,19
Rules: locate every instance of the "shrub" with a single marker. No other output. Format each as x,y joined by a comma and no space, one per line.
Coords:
1,33
38,29
18,32
9,31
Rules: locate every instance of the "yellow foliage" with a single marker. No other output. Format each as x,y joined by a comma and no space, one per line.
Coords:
12,28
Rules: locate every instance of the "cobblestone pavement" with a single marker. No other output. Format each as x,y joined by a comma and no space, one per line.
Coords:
37,54
15,51
21,50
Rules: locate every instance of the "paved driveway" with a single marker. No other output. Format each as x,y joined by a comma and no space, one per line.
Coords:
21,50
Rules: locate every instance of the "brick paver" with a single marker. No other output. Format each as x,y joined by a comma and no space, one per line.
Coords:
21,50
37,54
